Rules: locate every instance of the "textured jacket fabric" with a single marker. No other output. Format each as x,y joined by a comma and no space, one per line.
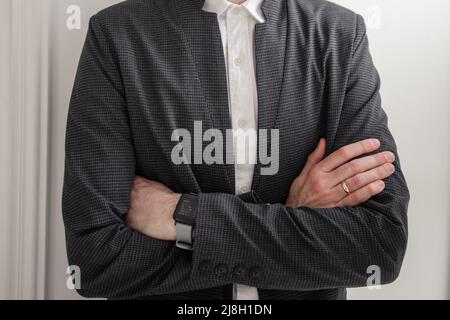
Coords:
151,66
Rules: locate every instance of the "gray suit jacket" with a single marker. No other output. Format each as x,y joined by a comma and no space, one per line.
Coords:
151,66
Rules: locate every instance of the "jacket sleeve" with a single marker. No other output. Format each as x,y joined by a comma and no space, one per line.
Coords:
273,247
115,261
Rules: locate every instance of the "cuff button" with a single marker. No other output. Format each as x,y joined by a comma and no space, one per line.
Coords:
254,273
239,272
221,270
204,266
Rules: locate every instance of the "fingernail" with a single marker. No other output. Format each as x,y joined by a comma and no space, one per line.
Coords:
389,156
390,168
375,142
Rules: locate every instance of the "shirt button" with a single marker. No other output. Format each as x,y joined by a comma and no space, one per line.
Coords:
238,61
242,123
244,189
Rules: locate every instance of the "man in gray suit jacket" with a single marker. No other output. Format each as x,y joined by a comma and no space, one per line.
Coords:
142,224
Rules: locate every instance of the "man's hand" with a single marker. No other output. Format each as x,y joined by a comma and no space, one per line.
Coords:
152,205
320,182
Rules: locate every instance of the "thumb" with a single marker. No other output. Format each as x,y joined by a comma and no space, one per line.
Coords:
317,155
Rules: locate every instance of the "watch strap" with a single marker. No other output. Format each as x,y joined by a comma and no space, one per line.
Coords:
184,236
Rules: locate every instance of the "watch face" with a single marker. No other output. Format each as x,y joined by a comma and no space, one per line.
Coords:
187,209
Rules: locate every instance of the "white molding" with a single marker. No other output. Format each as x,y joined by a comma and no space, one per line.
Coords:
27,148
5,198
44,149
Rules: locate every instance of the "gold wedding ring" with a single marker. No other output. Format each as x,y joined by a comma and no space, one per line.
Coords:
345,188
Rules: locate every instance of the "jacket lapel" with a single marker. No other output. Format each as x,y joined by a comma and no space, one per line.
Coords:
270,46
202,33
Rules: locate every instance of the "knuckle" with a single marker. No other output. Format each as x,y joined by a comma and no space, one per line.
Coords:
388,156
380,158
356,181
355,166
371,144
375,187
318,185
348,168
367,144
344,152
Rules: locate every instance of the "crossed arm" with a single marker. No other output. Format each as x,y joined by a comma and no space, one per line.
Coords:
319,239
319,185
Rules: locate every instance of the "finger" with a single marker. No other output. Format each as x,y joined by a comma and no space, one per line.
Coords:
363,194
357,166
316,156
318,153
365,178
347,153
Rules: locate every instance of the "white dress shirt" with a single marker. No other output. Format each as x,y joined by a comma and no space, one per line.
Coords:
237,29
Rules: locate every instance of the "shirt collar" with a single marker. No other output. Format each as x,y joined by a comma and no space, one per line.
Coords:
220,6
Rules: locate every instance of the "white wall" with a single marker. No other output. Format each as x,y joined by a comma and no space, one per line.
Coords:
24,141
410,42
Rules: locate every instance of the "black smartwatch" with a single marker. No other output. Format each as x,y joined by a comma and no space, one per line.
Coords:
185,215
